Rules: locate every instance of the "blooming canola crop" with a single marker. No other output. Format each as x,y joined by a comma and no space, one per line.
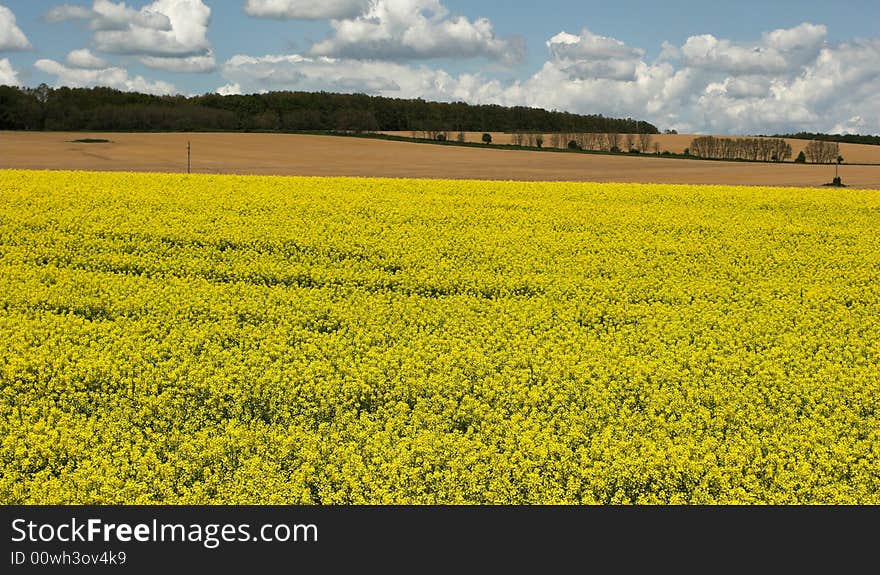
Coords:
241,339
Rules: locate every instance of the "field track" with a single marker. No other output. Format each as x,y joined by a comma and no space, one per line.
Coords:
288,154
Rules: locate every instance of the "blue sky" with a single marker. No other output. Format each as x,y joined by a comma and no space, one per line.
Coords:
733,67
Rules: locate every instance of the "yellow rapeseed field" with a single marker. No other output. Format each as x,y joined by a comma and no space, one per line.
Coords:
227,339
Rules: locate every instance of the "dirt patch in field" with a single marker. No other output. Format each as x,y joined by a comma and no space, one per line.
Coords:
287,154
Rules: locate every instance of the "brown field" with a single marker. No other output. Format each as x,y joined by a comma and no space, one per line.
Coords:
676,143
287,154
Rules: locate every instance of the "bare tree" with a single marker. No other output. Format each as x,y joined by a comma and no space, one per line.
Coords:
730,148
613,141
783,150
832,150
820,152
591,141
765,149
630,141
755,149
753,146
644,141
812,151
702,147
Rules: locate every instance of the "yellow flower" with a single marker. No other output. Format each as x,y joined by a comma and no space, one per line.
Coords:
231,339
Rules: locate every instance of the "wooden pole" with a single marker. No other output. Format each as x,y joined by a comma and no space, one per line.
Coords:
187,157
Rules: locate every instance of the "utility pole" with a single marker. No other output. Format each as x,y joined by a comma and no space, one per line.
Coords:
187,157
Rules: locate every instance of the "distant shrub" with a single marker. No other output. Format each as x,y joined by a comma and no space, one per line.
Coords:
487,138
801,158
573,145
539,141
615,148
441,137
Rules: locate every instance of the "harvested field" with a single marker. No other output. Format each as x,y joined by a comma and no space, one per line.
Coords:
676,143
288,154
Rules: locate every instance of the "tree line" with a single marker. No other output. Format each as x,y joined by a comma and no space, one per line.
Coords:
606,142
753,149
840,138
763,150
819,152
106,109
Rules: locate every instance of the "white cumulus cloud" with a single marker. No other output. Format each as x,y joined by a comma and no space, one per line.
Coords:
840,84
306,9
231,89
83,58
185,36
786,80
72,12
589,55
589,46
415,30
779,51
198,64
165,34
108,15
8,76
297,72
112,77
11,36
